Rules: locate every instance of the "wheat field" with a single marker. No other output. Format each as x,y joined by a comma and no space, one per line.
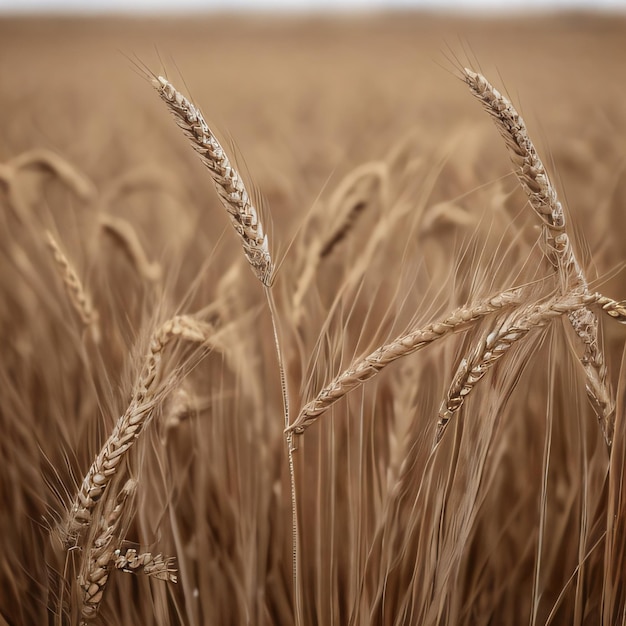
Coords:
362,362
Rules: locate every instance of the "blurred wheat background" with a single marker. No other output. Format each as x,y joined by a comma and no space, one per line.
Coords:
388,199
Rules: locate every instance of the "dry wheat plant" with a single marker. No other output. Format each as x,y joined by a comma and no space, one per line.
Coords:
410,411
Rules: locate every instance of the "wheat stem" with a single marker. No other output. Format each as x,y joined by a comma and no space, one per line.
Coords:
295,537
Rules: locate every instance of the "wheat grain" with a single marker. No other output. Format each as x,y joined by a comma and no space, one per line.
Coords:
228,183
153,565
613,308
533,178
585,324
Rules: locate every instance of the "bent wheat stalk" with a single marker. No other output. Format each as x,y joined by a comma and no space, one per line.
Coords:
131,423
366,368
42,158
228,183
542,195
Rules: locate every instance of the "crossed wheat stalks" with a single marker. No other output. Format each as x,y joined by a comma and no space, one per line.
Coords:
572,299
514,319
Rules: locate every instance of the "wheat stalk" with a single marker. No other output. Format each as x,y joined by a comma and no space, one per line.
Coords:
228,182
131,423
363,369
542,195
245,219
44,159
80,299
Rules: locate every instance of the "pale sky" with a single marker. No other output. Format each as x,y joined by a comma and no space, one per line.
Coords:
176,6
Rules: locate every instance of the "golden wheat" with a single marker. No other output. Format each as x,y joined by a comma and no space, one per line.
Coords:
516,516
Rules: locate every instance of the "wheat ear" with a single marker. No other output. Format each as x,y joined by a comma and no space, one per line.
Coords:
528,167
62,169
123,233
228,183
508,332
80,299
364,369
132,422
100,557
542,195
345,206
